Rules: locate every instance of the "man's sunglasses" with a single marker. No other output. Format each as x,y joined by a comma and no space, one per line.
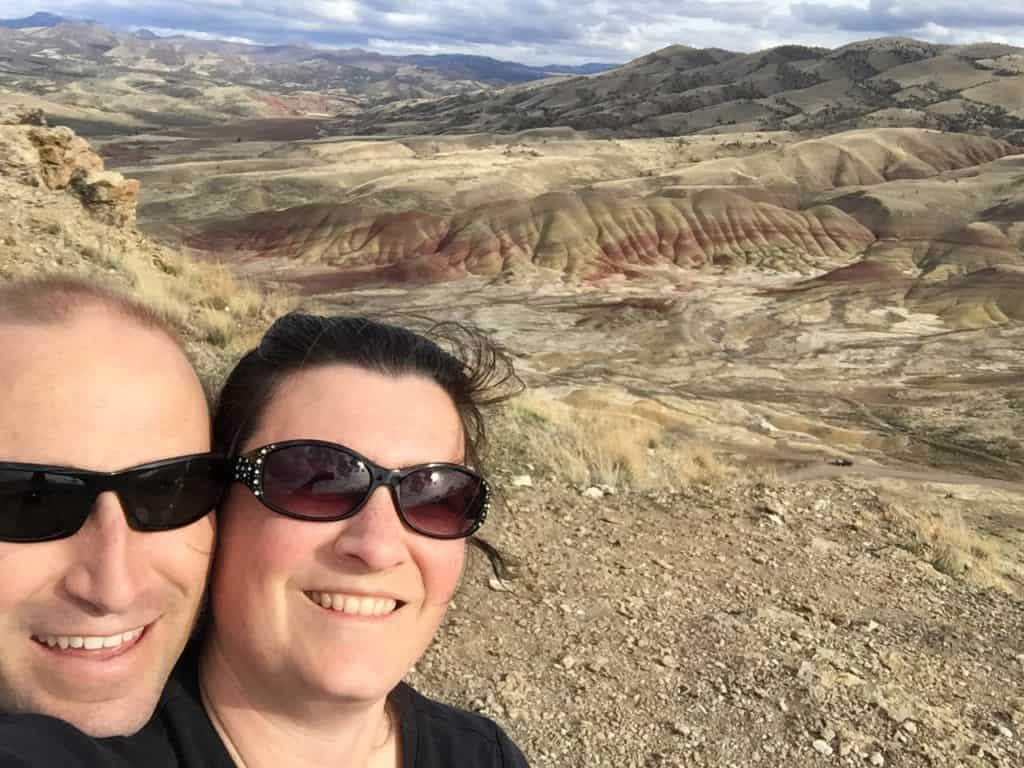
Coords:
42,503
323,482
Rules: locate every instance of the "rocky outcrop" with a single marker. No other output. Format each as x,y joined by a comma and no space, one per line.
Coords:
57,159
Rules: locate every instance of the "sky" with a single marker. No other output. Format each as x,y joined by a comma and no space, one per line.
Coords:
552,31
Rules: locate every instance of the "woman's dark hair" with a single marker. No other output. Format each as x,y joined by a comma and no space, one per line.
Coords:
461,359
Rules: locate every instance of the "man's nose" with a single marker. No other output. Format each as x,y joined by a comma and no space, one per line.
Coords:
106,560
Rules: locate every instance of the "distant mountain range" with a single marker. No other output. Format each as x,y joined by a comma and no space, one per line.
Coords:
139,81
453,65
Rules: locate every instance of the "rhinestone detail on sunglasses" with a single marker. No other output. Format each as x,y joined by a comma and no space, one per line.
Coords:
248,471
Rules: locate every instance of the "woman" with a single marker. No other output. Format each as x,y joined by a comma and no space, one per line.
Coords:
341,542
334,570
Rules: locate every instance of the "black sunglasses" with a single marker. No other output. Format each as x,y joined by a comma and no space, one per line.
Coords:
42,503
323,482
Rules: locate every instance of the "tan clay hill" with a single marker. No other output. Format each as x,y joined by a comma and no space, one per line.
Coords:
682,90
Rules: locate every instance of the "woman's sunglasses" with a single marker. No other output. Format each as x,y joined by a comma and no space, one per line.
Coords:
324,482
42,503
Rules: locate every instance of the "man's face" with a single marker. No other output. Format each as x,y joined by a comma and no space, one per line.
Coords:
98,392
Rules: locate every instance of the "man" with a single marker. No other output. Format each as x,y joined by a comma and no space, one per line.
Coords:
102,575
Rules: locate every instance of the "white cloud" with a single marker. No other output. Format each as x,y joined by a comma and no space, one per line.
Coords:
167,32
556,31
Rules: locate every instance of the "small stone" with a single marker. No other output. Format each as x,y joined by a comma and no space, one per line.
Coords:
680,729
872,626
567,662
822,747
909,726
522,481
775,519
498,585
783,706
669,662
876,759
1005,732
593,492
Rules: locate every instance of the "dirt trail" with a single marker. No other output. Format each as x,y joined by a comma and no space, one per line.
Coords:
827,471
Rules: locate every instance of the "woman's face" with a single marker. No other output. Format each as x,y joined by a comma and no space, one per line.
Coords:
271,572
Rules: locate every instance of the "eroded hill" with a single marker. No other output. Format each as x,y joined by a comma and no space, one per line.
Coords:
890,82
929,204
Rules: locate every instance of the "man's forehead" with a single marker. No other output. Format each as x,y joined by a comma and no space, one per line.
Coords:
97,390
90,337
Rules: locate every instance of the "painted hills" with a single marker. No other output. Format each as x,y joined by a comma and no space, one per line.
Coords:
926,203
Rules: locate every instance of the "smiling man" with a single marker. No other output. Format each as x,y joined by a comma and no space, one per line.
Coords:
105,494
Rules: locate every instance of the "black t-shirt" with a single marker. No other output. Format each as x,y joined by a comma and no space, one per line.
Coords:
435,735
180,735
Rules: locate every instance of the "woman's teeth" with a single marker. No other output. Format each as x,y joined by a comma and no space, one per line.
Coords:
88,642
353,604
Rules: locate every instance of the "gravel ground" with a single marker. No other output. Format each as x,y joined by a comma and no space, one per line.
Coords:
731,625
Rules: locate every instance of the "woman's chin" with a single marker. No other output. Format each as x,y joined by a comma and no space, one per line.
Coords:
355,682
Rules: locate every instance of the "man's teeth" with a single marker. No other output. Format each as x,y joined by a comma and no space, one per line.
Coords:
89,642
357,606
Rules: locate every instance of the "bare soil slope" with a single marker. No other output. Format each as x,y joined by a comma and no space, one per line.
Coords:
743,624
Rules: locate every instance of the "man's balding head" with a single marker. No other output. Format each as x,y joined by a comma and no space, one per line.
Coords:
54,300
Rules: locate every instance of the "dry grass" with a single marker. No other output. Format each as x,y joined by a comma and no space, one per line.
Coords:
946,541
603,446
204,300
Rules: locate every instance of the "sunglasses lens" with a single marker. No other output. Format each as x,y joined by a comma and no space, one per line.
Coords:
173,495
442,501
314,481
36,506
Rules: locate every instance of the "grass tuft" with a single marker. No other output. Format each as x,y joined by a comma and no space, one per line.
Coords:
603,446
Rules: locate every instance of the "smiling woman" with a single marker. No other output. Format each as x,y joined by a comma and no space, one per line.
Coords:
342,544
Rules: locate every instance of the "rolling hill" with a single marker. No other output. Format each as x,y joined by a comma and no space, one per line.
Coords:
889,82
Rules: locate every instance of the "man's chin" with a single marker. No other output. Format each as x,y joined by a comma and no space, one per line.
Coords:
103,720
